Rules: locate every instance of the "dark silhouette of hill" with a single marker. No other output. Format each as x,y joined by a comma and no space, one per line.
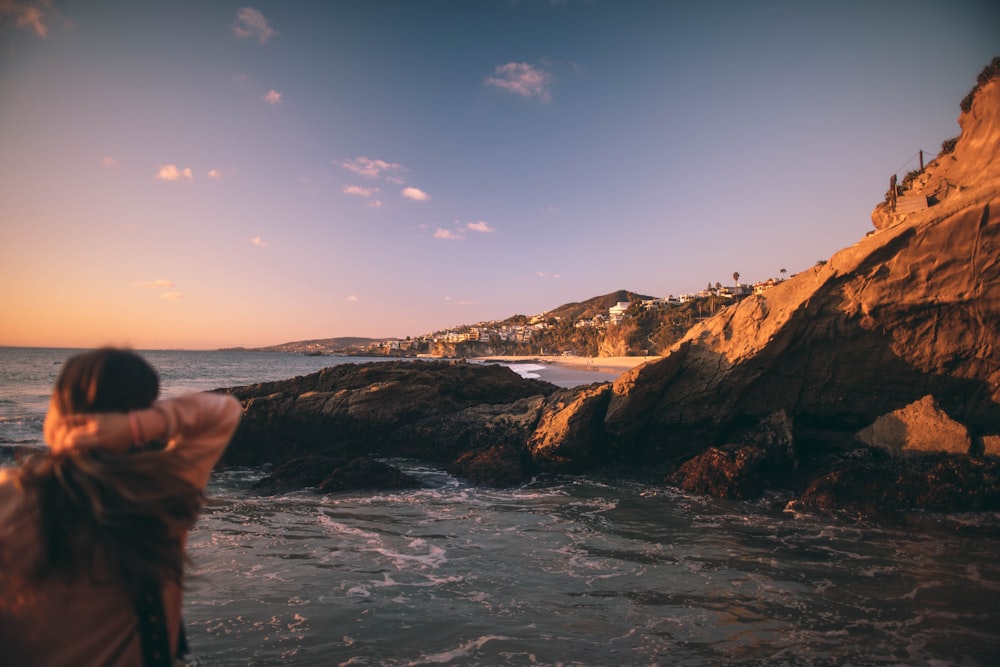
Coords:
320,345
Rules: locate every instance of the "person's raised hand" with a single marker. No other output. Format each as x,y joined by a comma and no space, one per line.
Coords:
109,430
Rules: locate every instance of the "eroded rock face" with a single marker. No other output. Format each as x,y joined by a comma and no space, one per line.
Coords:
569,436
920,427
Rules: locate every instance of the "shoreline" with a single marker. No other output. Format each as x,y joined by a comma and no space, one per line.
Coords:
603,364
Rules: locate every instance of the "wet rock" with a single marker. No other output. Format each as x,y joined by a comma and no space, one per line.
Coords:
443,438
936,483
496,466
358,409
733,471
330,474
362,474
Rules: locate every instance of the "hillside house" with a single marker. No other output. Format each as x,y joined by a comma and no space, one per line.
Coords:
617,312
760,287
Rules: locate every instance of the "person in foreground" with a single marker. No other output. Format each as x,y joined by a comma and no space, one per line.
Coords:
93,531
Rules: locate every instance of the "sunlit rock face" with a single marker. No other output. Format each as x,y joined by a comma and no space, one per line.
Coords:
909,311
919,427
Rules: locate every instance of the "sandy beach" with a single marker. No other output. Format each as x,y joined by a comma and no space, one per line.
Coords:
615,365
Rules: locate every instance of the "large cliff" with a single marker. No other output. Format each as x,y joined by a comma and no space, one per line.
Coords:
908,311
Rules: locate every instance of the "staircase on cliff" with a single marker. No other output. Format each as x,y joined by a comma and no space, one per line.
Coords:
910,203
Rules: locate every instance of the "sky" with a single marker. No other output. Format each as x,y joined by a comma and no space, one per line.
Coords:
197,175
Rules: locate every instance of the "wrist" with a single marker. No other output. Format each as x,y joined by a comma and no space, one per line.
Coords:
147,425
135,429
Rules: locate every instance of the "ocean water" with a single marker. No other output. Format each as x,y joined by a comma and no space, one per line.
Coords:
561,571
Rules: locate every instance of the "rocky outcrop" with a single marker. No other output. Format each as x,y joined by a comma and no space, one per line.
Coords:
323,430
881,487
332,474
734,471
357,409
920,427
569,436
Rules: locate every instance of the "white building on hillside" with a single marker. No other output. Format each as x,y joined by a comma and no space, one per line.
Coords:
617,311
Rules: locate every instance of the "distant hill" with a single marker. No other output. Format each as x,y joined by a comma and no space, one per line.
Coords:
595,306
568,312
343,345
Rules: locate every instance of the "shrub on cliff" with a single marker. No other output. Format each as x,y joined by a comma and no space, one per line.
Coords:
991,71
948,146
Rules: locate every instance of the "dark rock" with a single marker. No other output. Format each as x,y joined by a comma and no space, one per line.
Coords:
355,409
443,438
366,474
496,466
724,472
302,472
938,483
334,474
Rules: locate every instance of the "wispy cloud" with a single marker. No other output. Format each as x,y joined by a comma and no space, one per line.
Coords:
171,296
171,172
214,174
155,284
479,226
359,191
542,274
27,15
447,234
375,203
522,79
108,161
352,298
459,232
274,97
259,242
251,23
371,168
416,194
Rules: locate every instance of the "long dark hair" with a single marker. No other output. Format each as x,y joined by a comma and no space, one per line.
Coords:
109,515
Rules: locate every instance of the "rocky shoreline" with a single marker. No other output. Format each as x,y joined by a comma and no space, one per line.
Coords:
487,425
869,385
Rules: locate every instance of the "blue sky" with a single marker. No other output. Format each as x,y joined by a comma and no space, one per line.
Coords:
206,174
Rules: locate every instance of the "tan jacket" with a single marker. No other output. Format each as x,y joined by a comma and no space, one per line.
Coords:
89,623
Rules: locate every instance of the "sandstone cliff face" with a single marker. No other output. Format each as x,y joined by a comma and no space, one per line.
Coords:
909,311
